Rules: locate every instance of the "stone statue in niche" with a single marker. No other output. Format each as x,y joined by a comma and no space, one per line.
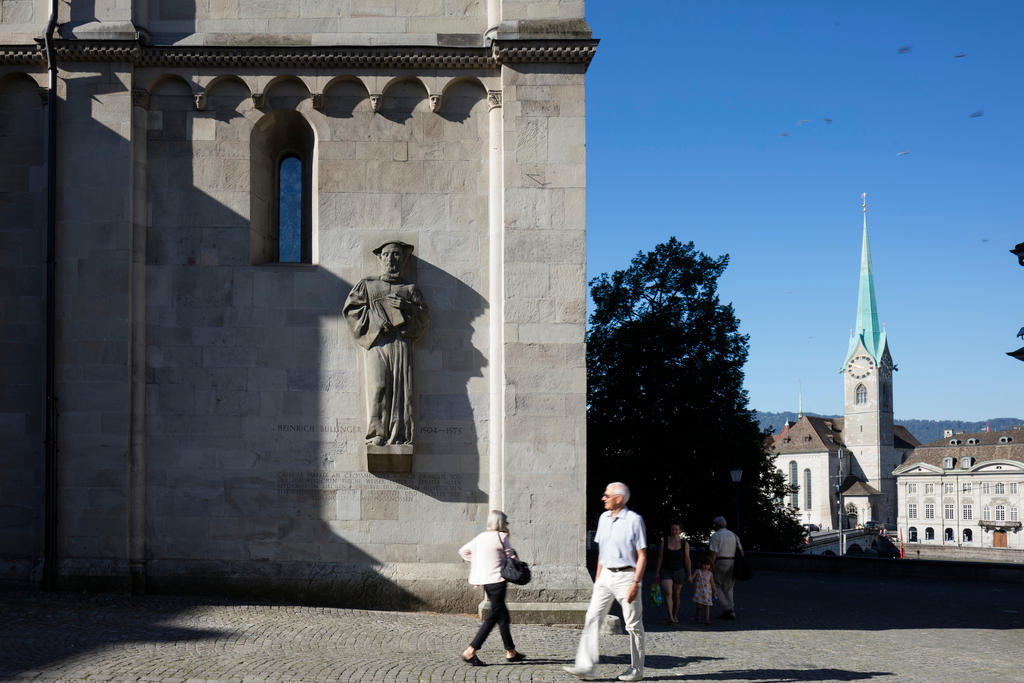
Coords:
386,314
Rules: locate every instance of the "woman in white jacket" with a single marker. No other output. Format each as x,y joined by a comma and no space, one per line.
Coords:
486,553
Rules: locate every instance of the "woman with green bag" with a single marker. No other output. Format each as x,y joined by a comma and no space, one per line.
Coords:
673,569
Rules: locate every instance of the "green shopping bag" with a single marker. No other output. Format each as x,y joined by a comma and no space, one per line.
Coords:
656,597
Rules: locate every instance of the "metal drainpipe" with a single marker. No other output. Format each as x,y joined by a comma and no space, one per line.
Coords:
51,501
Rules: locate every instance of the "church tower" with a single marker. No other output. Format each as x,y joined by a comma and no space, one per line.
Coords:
867,393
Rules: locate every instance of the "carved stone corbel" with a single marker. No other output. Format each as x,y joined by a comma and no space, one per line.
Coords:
375,101
493,99
318,101
435,103
140,98
200,101
259,100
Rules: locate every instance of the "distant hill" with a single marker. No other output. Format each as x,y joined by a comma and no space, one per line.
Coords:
924,430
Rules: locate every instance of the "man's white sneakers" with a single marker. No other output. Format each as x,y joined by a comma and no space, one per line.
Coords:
631,674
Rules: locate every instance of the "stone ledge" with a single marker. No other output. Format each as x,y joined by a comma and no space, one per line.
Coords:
540,51
544,29
389,458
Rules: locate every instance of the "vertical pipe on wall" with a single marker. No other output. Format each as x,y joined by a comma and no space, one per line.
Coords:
137,311
50,475
496,295
493,15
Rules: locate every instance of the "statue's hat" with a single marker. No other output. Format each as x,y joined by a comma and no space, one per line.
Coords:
407,248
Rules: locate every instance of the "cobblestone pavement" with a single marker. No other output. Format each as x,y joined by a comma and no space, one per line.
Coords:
791,627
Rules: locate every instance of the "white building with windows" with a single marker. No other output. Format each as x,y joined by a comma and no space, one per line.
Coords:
964,490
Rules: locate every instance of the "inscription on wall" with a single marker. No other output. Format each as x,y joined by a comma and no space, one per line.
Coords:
323,428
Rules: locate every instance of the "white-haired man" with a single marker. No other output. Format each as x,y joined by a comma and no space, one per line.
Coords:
724,547
622,558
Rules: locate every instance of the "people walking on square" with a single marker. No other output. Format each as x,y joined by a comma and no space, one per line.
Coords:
486,553
724,547
673,569
703,589
622,559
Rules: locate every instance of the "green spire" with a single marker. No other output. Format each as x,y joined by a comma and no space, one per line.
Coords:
867,329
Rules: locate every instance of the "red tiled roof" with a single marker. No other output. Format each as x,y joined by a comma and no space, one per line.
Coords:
988,447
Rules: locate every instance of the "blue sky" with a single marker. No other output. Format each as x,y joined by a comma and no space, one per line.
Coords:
686,104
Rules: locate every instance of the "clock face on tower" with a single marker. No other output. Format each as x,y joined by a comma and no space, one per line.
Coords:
860,367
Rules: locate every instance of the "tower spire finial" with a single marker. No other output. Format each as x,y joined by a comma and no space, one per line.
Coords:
800,399
864,201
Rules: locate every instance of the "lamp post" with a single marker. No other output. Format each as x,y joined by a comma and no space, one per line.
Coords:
1018,251
736,474
841,516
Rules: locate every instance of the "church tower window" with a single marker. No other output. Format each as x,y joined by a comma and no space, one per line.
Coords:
794,499
807,488
289,210
862,394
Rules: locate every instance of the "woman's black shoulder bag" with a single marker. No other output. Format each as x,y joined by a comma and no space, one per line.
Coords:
513,569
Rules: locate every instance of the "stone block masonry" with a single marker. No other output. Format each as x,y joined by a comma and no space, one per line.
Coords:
211,399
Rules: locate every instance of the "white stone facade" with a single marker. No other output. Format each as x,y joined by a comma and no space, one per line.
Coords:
816,479
966,491
210,412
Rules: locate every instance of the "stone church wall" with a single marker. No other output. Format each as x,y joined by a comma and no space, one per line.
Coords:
254,413
22,334
211,415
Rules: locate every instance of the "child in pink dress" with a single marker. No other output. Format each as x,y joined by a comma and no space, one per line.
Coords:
703,589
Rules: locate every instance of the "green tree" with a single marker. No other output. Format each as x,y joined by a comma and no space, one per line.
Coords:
666,408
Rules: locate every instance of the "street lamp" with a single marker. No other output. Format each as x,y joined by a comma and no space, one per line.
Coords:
1018,251
737,474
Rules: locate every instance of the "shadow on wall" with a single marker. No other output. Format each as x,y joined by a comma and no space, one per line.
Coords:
256,465
249,369
22,257
166,21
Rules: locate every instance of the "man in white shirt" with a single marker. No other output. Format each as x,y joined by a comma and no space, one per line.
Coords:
622,558
724,546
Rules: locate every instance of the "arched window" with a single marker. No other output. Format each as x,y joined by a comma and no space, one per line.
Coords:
1013,514
948,535
912,533
1000,513
986,512
807,489
794,500
968,536
929,534
282,197
862,394
289,210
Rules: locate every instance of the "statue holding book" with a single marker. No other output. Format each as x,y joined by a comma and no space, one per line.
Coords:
386,314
